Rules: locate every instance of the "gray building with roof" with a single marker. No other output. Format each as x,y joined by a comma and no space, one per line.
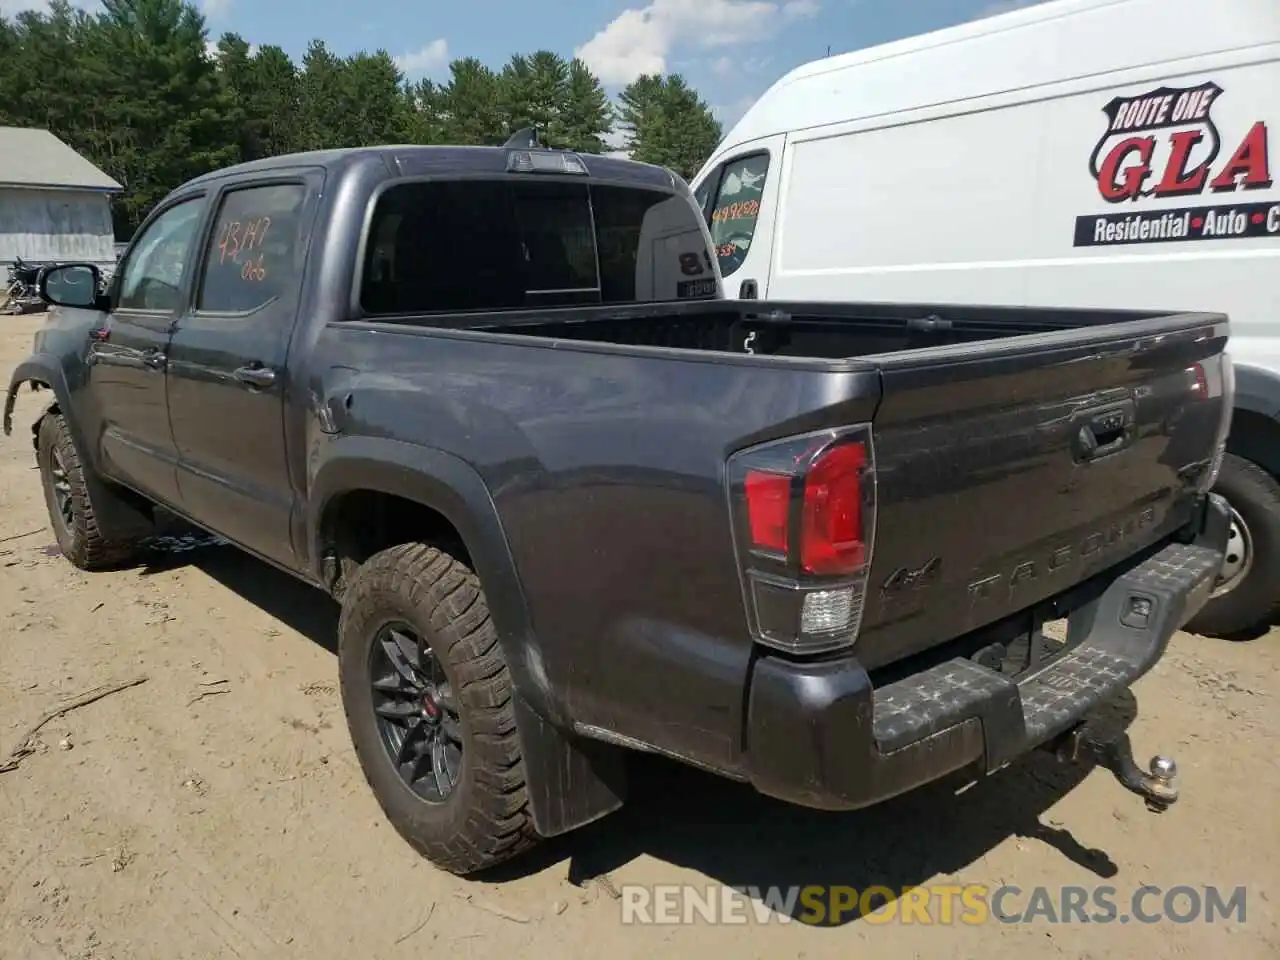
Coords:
54,204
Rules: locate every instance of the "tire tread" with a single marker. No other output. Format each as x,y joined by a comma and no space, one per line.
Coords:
1255,603
88,549
496,823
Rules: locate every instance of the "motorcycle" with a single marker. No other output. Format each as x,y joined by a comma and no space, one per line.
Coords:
22,289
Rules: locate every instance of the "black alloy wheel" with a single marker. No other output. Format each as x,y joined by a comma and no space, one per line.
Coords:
416,712
60,489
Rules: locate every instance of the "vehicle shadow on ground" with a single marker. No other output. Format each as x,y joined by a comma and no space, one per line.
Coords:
305,609
728,832
738,838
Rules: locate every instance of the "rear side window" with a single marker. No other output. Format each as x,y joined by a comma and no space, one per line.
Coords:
736,209
252,257
453,246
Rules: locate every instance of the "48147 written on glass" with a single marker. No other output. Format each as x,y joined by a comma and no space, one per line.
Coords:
236,238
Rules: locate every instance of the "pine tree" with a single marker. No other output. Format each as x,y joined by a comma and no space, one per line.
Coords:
158,114
587,114
471,109
667,123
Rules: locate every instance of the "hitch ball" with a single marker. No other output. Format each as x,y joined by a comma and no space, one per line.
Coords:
1163,769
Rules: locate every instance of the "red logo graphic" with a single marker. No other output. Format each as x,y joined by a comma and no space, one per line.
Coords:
1164,143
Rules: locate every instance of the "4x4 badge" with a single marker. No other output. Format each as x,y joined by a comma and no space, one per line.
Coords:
905,578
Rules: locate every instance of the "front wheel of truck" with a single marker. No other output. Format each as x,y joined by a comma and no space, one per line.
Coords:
429,705
1246,597
66,495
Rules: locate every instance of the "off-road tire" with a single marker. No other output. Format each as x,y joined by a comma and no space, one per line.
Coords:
1250,607
80,540
486,819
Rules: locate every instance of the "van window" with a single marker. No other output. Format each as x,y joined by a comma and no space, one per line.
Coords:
703,193
736,209
451,246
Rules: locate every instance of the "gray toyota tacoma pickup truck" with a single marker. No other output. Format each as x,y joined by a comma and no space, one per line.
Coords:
573,503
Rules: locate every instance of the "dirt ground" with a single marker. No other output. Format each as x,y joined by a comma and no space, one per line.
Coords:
217,809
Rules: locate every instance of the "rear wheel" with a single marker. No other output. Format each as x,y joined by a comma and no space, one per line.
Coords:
428,700
66,496
1247,595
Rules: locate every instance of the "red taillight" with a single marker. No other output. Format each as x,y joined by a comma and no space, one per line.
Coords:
804,518
831,540
768,497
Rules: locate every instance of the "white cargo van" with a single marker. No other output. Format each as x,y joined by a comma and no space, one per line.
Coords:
1078,153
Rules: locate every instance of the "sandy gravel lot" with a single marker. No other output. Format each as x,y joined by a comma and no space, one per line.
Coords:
217,810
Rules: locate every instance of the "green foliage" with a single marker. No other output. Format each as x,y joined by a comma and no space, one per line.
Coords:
667,123
469,107
134,88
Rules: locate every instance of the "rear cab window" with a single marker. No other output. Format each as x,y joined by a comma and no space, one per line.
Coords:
736,208
508,244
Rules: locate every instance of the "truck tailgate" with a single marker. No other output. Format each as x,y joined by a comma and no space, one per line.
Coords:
1009,471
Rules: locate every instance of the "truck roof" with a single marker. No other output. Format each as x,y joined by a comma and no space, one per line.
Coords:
1028,47
418,160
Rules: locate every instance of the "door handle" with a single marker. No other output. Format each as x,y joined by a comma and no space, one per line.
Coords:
748,290
155,359
256,376
1105,431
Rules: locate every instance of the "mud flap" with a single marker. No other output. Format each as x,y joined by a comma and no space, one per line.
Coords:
571,780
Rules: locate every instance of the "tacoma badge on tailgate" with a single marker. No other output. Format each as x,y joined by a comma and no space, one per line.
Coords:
1061,556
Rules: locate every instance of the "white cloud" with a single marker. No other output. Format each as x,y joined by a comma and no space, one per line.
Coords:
428,59
800,9
743,68
639,41
215,9
723,66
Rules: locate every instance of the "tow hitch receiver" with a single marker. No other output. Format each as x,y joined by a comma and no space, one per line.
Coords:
1159,787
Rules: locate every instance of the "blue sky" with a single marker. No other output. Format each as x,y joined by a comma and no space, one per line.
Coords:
730,50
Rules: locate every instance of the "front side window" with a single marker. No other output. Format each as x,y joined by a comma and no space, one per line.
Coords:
152,277
253,254
452,246
736,209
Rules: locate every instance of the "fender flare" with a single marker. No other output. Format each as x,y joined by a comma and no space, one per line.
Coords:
120,516
43,370
571,781
451,487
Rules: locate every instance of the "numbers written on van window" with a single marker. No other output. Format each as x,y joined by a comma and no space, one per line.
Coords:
736,211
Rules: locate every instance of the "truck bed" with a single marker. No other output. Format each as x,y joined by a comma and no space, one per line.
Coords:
984,506
828,331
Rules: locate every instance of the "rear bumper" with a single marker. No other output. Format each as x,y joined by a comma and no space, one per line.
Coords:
819,735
